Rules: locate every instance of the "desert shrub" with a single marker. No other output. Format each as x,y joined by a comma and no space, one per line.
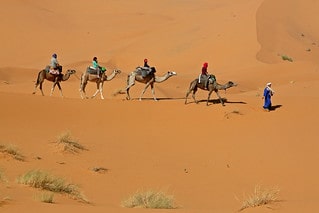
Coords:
99,169
46,197
260,197
46,181
68,143
12,151
150,199
286,58
2,176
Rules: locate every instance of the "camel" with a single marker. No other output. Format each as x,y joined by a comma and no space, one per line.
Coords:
56,79
149,80
212,86
85,77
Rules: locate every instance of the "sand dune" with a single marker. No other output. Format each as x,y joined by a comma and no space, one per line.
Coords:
208,157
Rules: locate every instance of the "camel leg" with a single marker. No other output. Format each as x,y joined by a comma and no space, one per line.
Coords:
81,87
82,91
60,89
97,89
101,90
41,88
35,88
153,91
83,84
209,94
192,87
193,95
39,82
130,83
187,94
52,89
220,99
128,93
53,86
147,85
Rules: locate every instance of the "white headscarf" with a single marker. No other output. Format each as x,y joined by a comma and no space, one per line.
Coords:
268,86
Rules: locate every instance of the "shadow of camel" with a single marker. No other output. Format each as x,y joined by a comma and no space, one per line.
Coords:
217,101
212,101
159,99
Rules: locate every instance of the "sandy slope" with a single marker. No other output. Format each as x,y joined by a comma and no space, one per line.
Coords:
207,157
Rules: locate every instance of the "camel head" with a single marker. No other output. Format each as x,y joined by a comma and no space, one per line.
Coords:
171,73
231,84
116,71
71,71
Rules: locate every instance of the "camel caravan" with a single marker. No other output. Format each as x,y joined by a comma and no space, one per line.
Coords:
146,75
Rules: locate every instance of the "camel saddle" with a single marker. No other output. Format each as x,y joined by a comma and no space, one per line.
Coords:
52,71
206,79
93,71
145,71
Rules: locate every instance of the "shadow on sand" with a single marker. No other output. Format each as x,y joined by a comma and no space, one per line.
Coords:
273,108
159,99
211,101
217,101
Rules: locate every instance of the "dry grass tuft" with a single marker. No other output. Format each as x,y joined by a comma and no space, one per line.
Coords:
150,199
46,181
3,178
99,169
12,151
260,197
69,144
45,197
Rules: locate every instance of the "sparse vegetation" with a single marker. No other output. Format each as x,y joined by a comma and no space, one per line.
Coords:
150,199
69,144
99,169
3,177
260,197
46,197
46,181
286,58
12,151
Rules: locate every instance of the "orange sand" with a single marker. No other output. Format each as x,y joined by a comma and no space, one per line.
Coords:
207,157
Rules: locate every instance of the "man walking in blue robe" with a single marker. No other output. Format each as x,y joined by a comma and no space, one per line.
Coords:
268,92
